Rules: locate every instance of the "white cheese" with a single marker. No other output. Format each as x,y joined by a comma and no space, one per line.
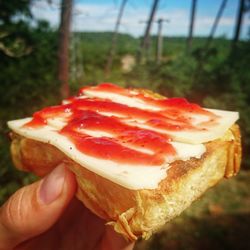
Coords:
129,176
129,101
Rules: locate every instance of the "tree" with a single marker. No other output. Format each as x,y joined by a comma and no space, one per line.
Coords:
146,39
215,24
239,21
191,25
63,51
114,39
14,35
9,9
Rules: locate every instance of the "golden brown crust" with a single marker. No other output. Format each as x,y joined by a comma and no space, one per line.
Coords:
33,156
136,213
234,153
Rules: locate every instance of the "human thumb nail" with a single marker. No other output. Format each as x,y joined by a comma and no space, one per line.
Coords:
52,185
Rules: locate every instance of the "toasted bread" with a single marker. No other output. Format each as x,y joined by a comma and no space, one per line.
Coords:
136,213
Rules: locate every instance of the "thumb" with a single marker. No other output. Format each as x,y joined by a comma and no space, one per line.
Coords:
33,209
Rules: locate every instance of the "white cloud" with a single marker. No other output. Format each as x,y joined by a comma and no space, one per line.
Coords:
97,17
45,11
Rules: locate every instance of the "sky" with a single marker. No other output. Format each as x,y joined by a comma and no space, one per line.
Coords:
100,15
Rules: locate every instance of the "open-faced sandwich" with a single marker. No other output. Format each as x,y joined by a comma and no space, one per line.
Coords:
139,158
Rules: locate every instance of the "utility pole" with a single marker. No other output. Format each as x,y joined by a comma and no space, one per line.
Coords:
160,39
146,39
215,24
191,25
63,51
114,39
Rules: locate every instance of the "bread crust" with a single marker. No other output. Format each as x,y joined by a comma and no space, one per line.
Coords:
136,213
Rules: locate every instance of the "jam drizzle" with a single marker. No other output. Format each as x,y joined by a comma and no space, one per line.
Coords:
180,104
83,114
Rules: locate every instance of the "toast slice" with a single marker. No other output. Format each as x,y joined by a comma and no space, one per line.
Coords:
132,204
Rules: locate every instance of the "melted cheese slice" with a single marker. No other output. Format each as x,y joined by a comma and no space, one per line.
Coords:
187,144
130,176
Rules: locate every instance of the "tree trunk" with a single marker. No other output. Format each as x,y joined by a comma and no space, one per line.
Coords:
114,39
239,21
63,51
146,39
216,22
191,25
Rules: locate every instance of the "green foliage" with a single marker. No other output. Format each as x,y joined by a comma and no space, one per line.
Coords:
225,85
27,79
30,78
93,48
14,31
8,9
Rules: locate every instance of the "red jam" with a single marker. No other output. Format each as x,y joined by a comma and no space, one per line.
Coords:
123,133
129,112
110,149
165,103
82,114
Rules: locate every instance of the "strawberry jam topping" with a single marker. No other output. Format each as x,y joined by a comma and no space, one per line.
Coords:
110,149
181,104
122,124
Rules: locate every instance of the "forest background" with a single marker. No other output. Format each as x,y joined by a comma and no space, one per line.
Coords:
213,72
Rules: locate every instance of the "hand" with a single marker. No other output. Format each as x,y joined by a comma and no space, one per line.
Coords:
45,215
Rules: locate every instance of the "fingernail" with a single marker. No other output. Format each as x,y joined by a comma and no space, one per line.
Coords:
52,185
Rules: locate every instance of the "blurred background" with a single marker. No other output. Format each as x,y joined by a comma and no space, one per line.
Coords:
193,48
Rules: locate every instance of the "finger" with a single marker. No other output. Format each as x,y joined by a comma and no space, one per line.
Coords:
33,209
